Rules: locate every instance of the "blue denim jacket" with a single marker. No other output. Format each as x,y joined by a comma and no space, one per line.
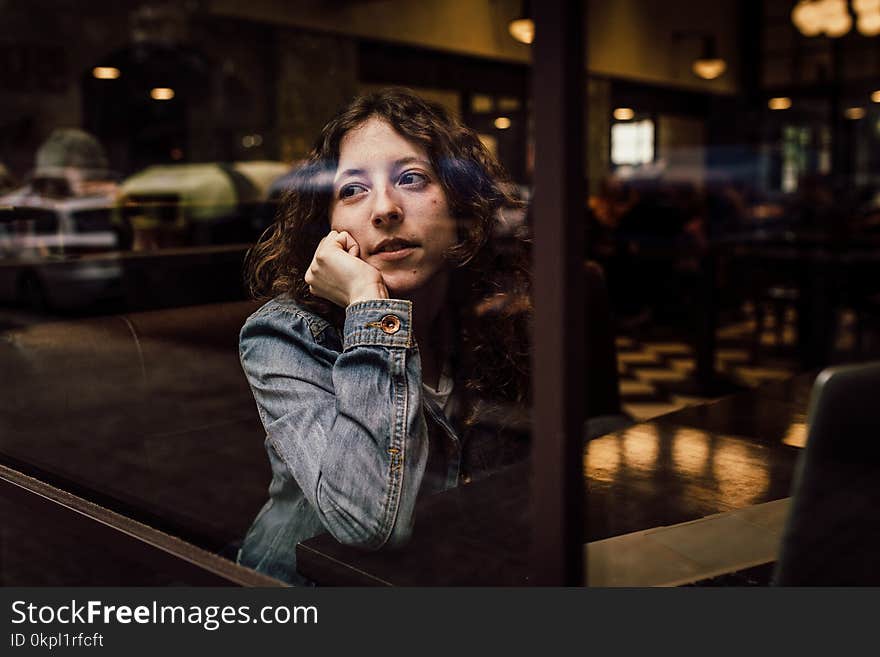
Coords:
346,429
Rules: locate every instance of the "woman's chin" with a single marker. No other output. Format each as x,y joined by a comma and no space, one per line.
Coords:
415,282
404,287
401,291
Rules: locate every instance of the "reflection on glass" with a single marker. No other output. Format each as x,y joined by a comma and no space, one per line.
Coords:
634,449
690,451
641,447
741,473
602,458
796,435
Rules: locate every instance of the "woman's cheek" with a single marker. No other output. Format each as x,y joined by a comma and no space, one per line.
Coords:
340,220
339,224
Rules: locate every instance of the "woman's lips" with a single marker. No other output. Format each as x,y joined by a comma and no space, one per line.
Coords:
395,248
398,253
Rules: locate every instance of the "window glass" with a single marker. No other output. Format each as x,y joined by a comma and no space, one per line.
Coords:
154,173
166,169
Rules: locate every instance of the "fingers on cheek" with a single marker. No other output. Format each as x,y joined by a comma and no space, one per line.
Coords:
311,280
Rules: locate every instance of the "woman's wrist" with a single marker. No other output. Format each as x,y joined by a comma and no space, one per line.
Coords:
368,293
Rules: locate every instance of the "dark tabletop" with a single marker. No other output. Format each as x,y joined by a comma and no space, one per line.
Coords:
702,460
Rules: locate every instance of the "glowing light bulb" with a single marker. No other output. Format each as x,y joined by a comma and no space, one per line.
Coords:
780,103
807,17
162,93
838,26
869,24
106,72
522,29
709,69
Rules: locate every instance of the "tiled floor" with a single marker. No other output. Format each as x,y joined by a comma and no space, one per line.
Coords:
647,366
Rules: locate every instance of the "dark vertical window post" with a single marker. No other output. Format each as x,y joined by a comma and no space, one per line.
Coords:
558,331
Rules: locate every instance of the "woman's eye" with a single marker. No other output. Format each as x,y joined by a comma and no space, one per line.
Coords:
347,191
411,178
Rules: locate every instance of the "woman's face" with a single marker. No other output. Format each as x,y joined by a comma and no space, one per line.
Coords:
386,195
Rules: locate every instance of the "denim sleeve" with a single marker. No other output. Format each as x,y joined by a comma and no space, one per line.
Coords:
347,426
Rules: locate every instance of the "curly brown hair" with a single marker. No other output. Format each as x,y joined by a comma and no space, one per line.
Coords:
489,281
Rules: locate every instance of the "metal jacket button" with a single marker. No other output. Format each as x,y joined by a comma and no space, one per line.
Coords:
390,324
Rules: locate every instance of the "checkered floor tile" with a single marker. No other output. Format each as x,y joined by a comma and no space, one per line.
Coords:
650,368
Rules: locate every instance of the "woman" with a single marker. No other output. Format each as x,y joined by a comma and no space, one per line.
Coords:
395,315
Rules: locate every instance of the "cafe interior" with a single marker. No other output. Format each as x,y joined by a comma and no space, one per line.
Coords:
698,187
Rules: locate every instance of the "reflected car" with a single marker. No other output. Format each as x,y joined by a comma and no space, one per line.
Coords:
62,183
196,204
59,254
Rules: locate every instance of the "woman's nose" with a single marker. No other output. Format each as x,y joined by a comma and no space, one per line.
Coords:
386,207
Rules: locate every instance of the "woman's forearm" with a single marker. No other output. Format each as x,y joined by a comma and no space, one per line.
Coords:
349,429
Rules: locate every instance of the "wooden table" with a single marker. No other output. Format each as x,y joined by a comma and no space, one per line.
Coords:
732,456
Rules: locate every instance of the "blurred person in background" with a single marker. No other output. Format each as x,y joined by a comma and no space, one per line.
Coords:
69,163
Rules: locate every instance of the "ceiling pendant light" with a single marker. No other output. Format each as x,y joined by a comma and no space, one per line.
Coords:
709,65
522,28
832,17
868,17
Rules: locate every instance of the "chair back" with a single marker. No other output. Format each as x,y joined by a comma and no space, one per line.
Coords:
832,533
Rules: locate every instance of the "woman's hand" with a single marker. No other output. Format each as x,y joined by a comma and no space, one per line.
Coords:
339,275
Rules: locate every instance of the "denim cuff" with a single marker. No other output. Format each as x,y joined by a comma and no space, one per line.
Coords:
378,322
